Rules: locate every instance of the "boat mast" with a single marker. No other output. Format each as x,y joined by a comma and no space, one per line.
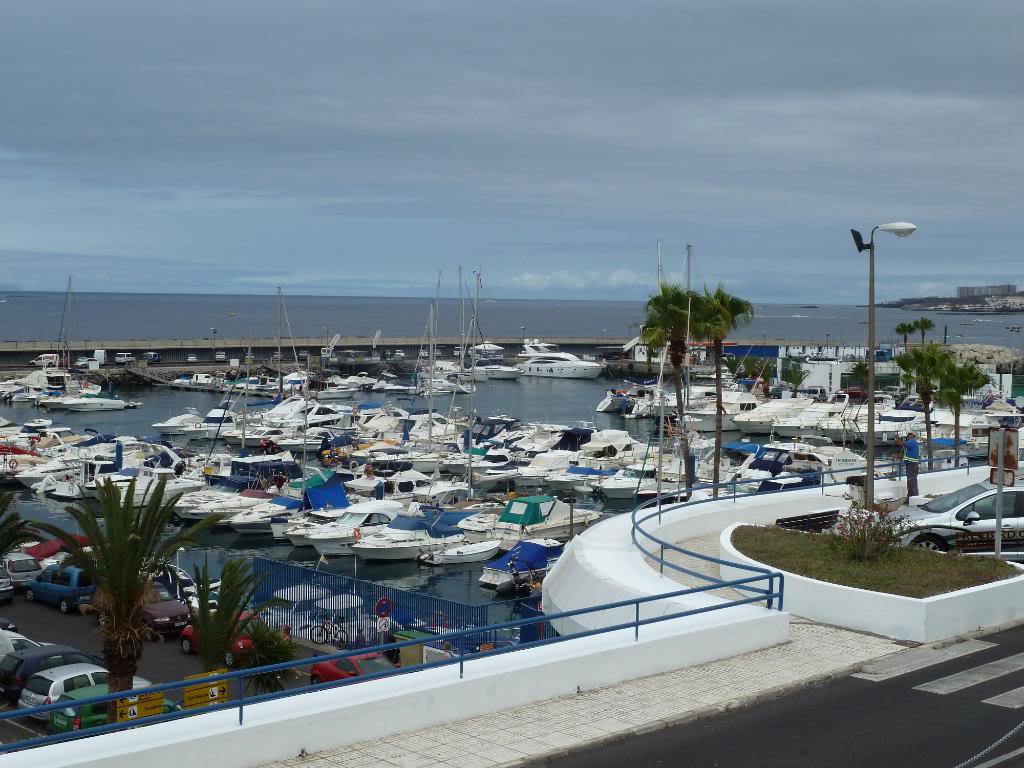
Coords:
472,392
280,360
686,359
462,324
67,334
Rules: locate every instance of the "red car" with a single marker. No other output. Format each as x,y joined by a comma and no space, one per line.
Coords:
353,666
240,644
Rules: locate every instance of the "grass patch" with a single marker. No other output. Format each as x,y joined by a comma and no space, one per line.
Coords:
906,571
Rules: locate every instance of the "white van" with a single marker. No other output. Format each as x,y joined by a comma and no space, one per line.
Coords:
121,358
46,360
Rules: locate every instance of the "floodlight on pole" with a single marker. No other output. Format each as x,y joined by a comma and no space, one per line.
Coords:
900,229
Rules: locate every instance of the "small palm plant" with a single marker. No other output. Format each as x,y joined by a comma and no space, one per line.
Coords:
14,531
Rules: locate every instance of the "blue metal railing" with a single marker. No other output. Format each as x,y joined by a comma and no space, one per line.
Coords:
639,533
455,639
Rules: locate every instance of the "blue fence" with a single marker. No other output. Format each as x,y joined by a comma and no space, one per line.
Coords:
331,608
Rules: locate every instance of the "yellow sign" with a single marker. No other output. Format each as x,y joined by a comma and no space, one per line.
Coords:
204,694
135,707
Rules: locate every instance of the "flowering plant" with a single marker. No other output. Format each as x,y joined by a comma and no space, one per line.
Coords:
866,534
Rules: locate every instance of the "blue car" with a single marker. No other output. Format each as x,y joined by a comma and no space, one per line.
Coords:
65,587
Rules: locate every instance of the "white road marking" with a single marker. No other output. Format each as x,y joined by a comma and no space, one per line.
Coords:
918,658
975,676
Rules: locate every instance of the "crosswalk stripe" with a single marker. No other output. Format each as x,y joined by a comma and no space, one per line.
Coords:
1011,699
975,676
918,658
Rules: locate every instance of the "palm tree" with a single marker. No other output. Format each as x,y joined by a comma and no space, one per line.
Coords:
859,373
734,365
923,325
715,315
796,376
922,369
14,531
666,317
955,383
126,547
269,646
904,330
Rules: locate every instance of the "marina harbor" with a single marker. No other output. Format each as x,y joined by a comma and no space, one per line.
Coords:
467,385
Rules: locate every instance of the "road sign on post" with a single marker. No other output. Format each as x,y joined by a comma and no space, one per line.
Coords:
136,707
205,694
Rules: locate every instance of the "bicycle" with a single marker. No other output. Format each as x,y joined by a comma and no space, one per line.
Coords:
328,632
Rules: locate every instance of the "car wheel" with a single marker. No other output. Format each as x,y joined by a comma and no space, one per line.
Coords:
186,645
314,680
229,659
30,596
64,606
932,542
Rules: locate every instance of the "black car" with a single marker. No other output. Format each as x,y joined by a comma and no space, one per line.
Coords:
16,668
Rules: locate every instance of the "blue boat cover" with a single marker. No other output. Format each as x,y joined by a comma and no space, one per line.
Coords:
435,525
329,495
590,471
946,442
526,555
287,502
743,446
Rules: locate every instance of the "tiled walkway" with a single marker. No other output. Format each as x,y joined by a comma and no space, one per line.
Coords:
525,734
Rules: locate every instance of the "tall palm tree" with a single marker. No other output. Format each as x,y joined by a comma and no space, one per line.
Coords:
715,316
955,383
127,546
14,531
904,330
923,368
923,325
666,317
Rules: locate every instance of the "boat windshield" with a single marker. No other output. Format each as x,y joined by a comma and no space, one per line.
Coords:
947,501
351,519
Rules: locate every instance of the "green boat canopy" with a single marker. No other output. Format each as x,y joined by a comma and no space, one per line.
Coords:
313,481
481,451
525,511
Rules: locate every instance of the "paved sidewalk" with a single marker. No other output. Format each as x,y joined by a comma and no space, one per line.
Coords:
529,733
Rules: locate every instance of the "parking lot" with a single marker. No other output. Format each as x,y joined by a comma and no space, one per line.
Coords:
162,661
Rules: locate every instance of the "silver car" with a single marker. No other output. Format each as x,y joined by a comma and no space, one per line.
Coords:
966,519
21,568
49,685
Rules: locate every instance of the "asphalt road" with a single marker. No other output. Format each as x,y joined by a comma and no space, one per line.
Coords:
849,722
162,662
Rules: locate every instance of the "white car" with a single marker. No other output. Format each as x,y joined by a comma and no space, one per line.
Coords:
13,641
192,359
47,686
969,510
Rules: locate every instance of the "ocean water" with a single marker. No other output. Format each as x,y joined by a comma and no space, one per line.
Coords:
32,316
547,400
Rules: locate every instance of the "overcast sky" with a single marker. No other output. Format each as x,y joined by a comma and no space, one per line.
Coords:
358,147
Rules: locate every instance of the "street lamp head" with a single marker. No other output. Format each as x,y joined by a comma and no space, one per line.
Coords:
899,228
858,240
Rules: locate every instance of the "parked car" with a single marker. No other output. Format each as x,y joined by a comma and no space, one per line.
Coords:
221,356
353,666
21,568
66,587
8,625
241,643
151,357
82,362
969,510
47,686
11,641
192,359
81,717
16,668
6,586
48,359
121,358
164,614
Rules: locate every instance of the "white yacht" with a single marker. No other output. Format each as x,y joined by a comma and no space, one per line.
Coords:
760,420
806,421
175,425
545,360
95,404
733,403
214,424
411,535
495,372
353,525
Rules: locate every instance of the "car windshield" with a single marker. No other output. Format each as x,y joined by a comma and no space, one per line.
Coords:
376,664
950,500
9,663
23,565
160,592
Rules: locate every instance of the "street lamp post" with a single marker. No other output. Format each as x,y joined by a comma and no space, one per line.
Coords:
900,229
214,347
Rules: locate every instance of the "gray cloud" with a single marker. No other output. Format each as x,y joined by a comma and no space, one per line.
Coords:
357,143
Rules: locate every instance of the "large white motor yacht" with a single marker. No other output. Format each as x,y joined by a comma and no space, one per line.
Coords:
543,359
